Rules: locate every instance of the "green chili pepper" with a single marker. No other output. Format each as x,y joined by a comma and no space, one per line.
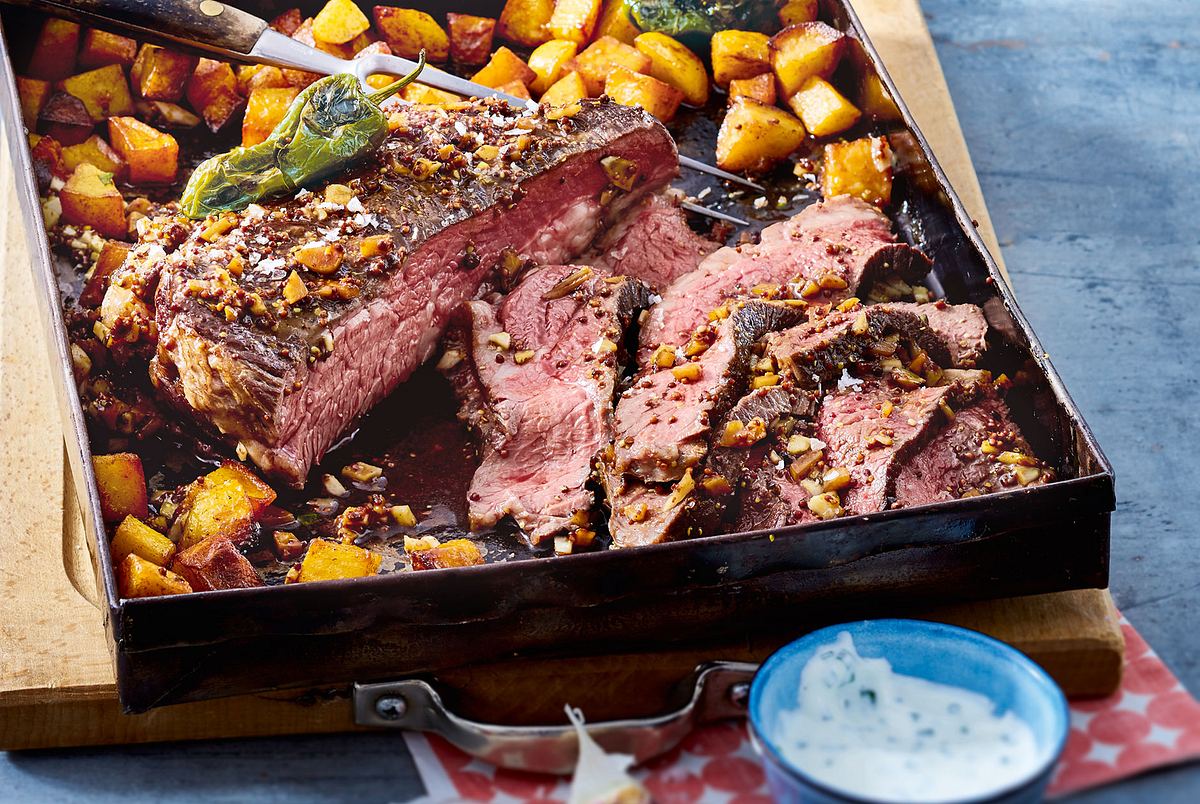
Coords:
330,124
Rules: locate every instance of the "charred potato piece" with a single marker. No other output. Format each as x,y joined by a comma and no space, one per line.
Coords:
33,94
800,52
760,88
861,168
874,100
121,485
54,52
454,553
266,107
823,109
565,91
165,114
212,91
596,62
632,89
161,74
525,22
288,22
574,20
796,11
739,54
339,21
112,255
504,67
408,32
94,150
673,63
141,540
547,62
90,198
754,136
48,163
215,563
104,92
152,155
470,38
66,119
330,561
101,48
137,577
616,21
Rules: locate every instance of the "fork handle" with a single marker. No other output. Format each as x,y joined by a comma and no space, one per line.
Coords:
206,25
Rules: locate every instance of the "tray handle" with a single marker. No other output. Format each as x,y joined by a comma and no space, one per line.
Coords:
715,691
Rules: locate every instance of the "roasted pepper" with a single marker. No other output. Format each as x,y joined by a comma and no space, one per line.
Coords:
332,123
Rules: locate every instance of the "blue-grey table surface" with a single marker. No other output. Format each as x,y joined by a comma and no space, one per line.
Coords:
1083,119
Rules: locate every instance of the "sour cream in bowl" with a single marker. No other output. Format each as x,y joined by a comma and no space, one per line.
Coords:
905,711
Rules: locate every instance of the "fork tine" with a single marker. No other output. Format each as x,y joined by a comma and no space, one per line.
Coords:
712,213
688,162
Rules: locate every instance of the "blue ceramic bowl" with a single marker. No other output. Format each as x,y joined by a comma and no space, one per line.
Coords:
944,654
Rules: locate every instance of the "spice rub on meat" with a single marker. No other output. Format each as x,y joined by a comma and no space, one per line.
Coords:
279,326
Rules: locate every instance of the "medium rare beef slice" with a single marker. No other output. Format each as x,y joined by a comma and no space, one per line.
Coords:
663,422
280,326
653,243
980,451
829,252
542,377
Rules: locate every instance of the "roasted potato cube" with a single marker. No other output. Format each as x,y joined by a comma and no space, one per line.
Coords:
121,485
320,257
48,162
165,114
54,53
861,168
257,490
796,11
454,553
739,54
264,110
152,155
95,151
574,20
408,32
101,48
823,109
470,38
616,21
673,63
288,22
517,89
802,51
161,74
90,198
504,66
599,59
138,538
633,89
104,91
287,546
329,561
214,509
874,100
259,76
112,255
565,91
33,94
760,88
212,91
137,577
754,136
525,22
215,563
66,119
422,93
339,21
547,61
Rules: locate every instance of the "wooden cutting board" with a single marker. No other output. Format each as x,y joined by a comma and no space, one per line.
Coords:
56,678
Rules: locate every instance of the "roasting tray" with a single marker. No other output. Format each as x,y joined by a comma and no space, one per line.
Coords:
329,635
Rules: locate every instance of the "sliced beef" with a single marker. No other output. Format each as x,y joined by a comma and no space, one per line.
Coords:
663,422
961,327
653,243
650,513
840,246
538,387
282,326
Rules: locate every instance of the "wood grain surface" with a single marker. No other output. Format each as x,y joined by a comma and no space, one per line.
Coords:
56,682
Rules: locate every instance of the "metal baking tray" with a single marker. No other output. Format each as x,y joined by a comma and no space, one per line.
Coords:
329,635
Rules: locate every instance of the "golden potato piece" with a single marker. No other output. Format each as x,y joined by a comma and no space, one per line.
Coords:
94,151
470,38
739,54
517,89
616,21
454,553
161,74
408,32
136,537
823,109
260,494
101,48
265,108
599,59
339,21
330,561
104,91
796,11
213,92
137,577
422,93
754,136
54,52
802,51
760,88
862,168
152,155
504,67
122,486
633,89
574,20
525,22
90,198
673,63
548,61
112,255
874,100
259,76
33,94
215,563
565,91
